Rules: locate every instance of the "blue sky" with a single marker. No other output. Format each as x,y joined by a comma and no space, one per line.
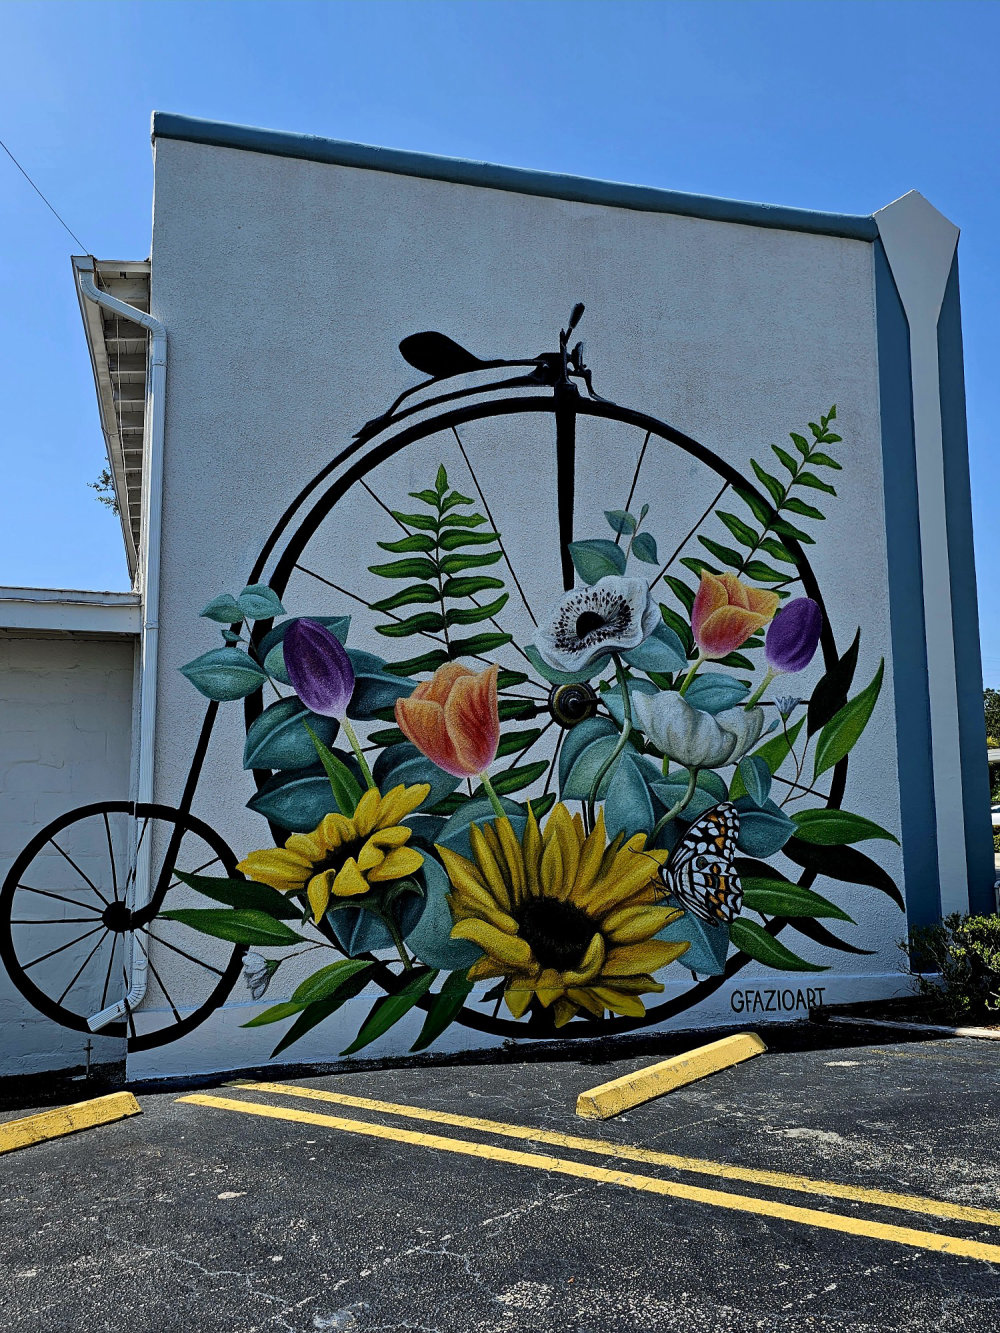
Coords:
840,106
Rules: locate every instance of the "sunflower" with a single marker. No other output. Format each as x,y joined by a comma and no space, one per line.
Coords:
563,916
344,858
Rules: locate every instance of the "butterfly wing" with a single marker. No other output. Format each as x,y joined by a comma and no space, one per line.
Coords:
701,873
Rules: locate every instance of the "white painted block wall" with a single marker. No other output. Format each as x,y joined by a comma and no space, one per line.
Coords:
65,740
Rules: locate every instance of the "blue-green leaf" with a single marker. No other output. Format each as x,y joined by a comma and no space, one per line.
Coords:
662,651
223,609
621,522
258,602
224,674
594,560
763,830
405,764
563,677
644,548
278,738
714,693
756,777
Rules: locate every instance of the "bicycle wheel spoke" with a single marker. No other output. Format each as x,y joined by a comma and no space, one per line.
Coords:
489,515
553,767
159,981
59,897
130,878
63,947
635,478
81,873
189,956
111,855
197,871
684,542
53,921
79,971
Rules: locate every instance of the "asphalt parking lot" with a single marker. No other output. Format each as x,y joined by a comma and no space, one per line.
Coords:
378,1200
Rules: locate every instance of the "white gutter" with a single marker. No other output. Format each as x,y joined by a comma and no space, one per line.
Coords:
149,582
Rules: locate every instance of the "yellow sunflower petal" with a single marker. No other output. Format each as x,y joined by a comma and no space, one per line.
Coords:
310,847
462,873
400,802
510,949
277,867
631,925
484,969
369,857
518,996
400,862
629,959
629,1006
531,848
638,985
514,857
368,810
318,893
590,964
489,869
585,999
391,837
591,855
349,881
560,854
563,1011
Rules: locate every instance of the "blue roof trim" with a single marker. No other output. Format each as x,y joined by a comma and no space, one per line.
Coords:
550,185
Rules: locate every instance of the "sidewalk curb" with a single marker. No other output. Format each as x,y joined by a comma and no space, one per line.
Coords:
33,1129
980,1034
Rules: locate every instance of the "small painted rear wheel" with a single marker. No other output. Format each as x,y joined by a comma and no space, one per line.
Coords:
68,928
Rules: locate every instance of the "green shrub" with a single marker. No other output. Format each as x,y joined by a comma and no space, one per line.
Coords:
996,840
964,953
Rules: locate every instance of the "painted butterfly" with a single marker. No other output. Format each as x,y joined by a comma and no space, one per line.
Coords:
700,873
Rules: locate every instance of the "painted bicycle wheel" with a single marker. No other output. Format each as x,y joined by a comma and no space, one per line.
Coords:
69,923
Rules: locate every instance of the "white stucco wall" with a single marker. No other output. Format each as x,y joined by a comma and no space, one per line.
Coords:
285,286
65,741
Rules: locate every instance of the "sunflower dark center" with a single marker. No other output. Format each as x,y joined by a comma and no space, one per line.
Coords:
557,932
587,622
335,859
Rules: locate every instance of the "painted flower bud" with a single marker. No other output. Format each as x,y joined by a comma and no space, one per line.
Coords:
319,669
453,718
793,635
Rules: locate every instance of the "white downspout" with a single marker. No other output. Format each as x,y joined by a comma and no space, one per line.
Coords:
152,497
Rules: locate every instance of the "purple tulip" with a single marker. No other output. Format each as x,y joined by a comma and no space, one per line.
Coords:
319,668
793,635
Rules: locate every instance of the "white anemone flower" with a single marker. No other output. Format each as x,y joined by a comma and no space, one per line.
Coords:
694,738
614,615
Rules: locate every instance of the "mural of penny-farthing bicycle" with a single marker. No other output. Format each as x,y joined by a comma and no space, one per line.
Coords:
534,748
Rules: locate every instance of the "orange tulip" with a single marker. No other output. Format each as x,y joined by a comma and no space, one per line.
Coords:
727,611
453,718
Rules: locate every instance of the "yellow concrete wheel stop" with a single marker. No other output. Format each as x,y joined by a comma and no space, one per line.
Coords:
66,1120
621,1094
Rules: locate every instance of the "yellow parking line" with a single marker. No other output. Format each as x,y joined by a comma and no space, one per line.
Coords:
911,1203
854,1226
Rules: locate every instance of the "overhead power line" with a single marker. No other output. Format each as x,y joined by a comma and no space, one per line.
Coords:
42,197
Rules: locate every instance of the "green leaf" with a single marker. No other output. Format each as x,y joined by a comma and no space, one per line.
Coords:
844,729
455,498
831,828
423,521
785,529
780,897
240,925
843,863
541,805
243,893
477,644
472,615
771,484
800,442
428,497
737,661
724,553
516,779
761,511
461,520
511,742
224,674
830,694
416,592
644,548
445,1007
740,530
680,627
386,737
824,460
786,459
224,609
816,483
425,662
620,521
755,942
328,980
796,506
456,537
470,585
698,567
441,480
345,787
390,1009
278,738
417,567
454,564
594,560
258,602
762,573
316,1013
756,778
682,592
417,541
274,1015
777,550
424,622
